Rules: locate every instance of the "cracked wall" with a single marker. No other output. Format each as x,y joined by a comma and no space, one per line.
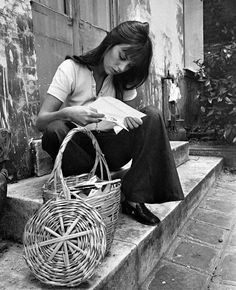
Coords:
166,30
19,92
18,88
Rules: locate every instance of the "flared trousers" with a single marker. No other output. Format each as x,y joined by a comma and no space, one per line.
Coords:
152,177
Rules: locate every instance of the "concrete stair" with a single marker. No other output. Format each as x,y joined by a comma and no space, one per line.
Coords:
136,248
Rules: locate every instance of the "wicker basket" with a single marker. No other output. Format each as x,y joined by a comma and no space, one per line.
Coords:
107,204
64,242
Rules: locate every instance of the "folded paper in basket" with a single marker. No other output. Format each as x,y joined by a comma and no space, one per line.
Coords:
93,186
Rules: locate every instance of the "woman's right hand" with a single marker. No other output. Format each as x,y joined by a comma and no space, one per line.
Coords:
82,115
50,111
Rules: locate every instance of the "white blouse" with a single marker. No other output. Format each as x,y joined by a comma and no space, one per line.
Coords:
74,84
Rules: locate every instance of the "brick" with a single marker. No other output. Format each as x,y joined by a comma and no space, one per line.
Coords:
232,240
171,276
226,207
193,255
204,232
213,217
227,268
224,192
214,286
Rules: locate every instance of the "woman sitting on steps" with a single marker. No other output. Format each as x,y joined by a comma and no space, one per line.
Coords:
115,68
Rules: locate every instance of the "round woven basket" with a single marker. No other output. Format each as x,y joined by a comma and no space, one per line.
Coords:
64,242
60,187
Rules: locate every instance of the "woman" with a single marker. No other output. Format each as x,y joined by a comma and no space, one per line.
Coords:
115,68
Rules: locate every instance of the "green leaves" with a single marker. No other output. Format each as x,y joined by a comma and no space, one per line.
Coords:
217,98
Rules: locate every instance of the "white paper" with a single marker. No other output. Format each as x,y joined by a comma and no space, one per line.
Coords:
115,111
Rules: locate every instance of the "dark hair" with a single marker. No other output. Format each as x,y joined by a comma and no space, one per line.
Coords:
135,34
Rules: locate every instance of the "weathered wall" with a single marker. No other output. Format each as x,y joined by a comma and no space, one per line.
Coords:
18,75
20,99
193,35
166,30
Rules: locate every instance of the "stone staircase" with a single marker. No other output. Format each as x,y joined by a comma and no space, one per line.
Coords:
136,248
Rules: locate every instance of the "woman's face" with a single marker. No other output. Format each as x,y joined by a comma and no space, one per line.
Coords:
115,60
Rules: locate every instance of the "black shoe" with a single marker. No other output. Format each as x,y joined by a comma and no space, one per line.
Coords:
141,213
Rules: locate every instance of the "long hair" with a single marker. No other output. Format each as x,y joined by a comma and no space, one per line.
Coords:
139,52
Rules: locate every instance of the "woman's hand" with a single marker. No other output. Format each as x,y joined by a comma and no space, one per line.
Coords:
82,115
132,122
105,126
50,111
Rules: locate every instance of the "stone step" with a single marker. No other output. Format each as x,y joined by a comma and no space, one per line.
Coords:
228,152
136,248
25,196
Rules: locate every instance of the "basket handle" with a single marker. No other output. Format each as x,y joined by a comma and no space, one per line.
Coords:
99,159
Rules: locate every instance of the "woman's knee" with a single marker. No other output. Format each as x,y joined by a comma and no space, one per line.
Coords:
53,136
56,129
152,113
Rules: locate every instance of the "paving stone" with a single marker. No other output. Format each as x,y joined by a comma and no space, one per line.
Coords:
224,192
213,217
214,286
229,179
226,207
204,232
227,268
171,276
191,254
232,240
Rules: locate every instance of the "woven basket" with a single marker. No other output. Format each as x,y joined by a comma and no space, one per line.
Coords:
107,204
64,242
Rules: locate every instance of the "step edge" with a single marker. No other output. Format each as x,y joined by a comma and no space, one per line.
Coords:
214,171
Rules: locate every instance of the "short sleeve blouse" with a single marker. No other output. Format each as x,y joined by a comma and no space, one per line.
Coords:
73,84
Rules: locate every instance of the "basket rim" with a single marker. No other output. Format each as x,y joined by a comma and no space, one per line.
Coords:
100,160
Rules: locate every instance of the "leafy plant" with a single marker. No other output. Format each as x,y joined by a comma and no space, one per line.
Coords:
217,97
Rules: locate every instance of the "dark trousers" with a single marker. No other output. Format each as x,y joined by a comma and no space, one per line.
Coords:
152,177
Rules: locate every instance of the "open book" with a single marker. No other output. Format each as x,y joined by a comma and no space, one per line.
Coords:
115,111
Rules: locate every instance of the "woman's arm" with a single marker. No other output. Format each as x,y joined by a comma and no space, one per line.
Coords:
50,111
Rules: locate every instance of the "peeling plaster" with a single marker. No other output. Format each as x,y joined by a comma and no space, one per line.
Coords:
180,28
166,30
166,25
20,100
140,10
2,54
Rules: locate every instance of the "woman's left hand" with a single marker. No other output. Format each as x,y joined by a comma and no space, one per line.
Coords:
132,122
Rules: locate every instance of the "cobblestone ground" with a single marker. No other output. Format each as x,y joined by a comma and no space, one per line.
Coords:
203,255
